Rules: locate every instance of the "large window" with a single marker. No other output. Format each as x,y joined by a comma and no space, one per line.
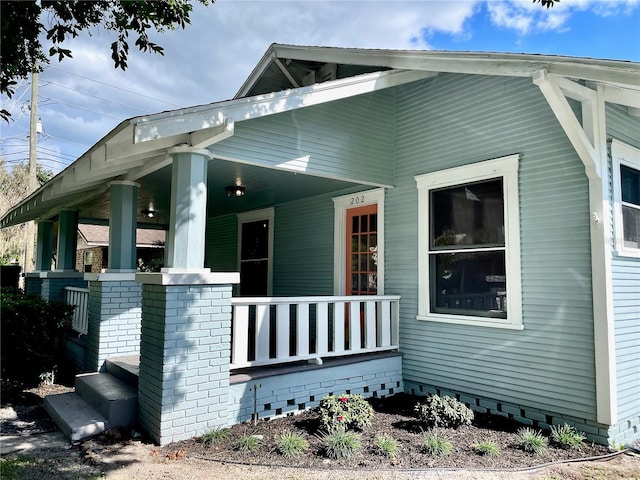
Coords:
626,195
469,261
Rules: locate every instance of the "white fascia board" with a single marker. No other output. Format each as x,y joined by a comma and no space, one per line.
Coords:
523,65
622,96
163,125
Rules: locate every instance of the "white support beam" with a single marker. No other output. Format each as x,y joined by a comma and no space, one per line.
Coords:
208,136
622,96
575,132
287,73
155,127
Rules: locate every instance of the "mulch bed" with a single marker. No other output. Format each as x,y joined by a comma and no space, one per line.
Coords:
395,418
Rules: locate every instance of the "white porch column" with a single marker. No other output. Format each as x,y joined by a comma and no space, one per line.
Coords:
122,226
188,216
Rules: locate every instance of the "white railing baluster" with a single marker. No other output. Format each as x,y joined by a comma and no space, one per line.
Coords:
322,326
354,325
240,335
262,333
384,324
373,317
370,325
282,331
338,327
302,330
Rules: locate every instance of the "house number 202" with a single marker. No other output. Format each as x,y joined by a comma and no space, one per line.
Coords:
359,200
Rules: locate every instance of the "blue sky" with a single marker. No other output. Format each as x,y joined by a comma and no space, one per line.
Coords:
82,99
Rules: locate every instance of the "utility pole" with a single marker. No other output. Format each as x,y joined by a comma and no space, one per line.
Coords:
29,237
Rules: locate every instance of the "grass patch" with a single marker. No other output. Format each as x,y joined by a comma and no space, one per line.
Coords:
342,444
531,440
387,446
435,442
566,436
291,444
486,447
214,436
12,467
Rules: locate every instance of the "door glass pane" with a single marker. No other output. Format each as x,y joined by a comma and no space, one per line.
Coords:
468,215
253,278
355,225
471,283
255,240
364,224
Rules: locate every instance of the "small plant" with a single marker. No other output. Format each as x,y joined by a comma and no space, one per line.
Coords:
340,444
566,436
344,412
386,446
531,440
444,411
214,436
486,447
435,442
248,443
291,444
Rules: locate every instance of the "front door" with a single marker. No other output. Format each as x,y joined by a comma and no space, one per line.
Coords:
362,250
256,252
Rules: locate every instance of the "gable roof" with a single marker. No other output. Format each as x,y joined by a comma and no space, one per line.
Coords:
140,146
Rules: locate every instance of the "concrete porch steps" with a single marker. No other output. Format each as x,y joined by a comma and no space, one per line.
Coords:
100,401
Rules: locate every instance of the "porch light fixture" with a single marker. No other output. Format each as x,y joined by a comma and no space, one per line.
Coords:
234,191
148,213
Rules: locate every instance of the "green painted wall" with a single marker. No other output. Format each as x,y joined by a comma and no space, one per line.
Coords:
626,300
453,120
351,139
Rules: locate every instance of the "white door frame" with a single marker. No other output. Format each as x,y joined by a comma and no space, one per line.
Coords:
341,205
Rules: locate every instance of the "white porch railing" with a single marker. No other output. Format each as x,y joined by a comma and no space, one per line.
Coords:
80,298
268,331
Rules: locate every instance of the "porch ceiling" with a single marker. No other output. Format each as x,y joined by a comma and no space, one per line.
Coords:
264,187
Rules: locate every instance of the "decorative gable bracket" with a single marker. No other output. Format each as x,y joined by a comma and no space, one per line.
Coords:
587,137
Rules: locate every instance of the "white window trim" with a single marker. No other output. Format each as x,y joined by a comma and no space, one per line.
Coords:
254,216
622,154
507,169
341,205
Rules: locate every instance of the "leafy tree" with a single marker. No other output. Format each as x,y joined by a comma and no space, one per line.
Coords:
547,3
14,186
21,49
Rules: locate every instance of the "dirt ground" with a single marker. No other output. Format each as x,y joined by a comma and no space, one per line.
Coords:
26,430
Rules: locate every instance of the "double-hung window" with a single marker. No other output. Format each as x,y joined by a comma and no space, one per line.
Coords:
469,244
626,198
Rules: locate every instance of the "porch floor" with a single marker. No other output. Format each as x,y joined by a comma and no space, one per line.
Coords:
130,364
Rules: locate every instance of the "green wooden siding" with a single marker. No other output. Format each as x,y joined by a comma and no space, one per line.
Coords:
222,244
626,292
351,139
453,120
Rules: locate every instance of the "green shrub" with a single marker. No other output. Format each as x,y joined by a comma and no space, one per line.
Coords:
444,411
291,444
566,436
531,440
248,443
386,446
436,442
486,447
214,436
340,444
345,412
33,335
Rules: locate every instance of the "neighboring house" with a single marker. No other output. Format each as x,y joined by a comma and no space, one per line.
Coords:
498,195
93,248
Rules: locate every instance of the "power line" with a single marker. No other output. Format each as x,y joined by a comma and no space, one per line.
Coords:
97,98
118,88
82,108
